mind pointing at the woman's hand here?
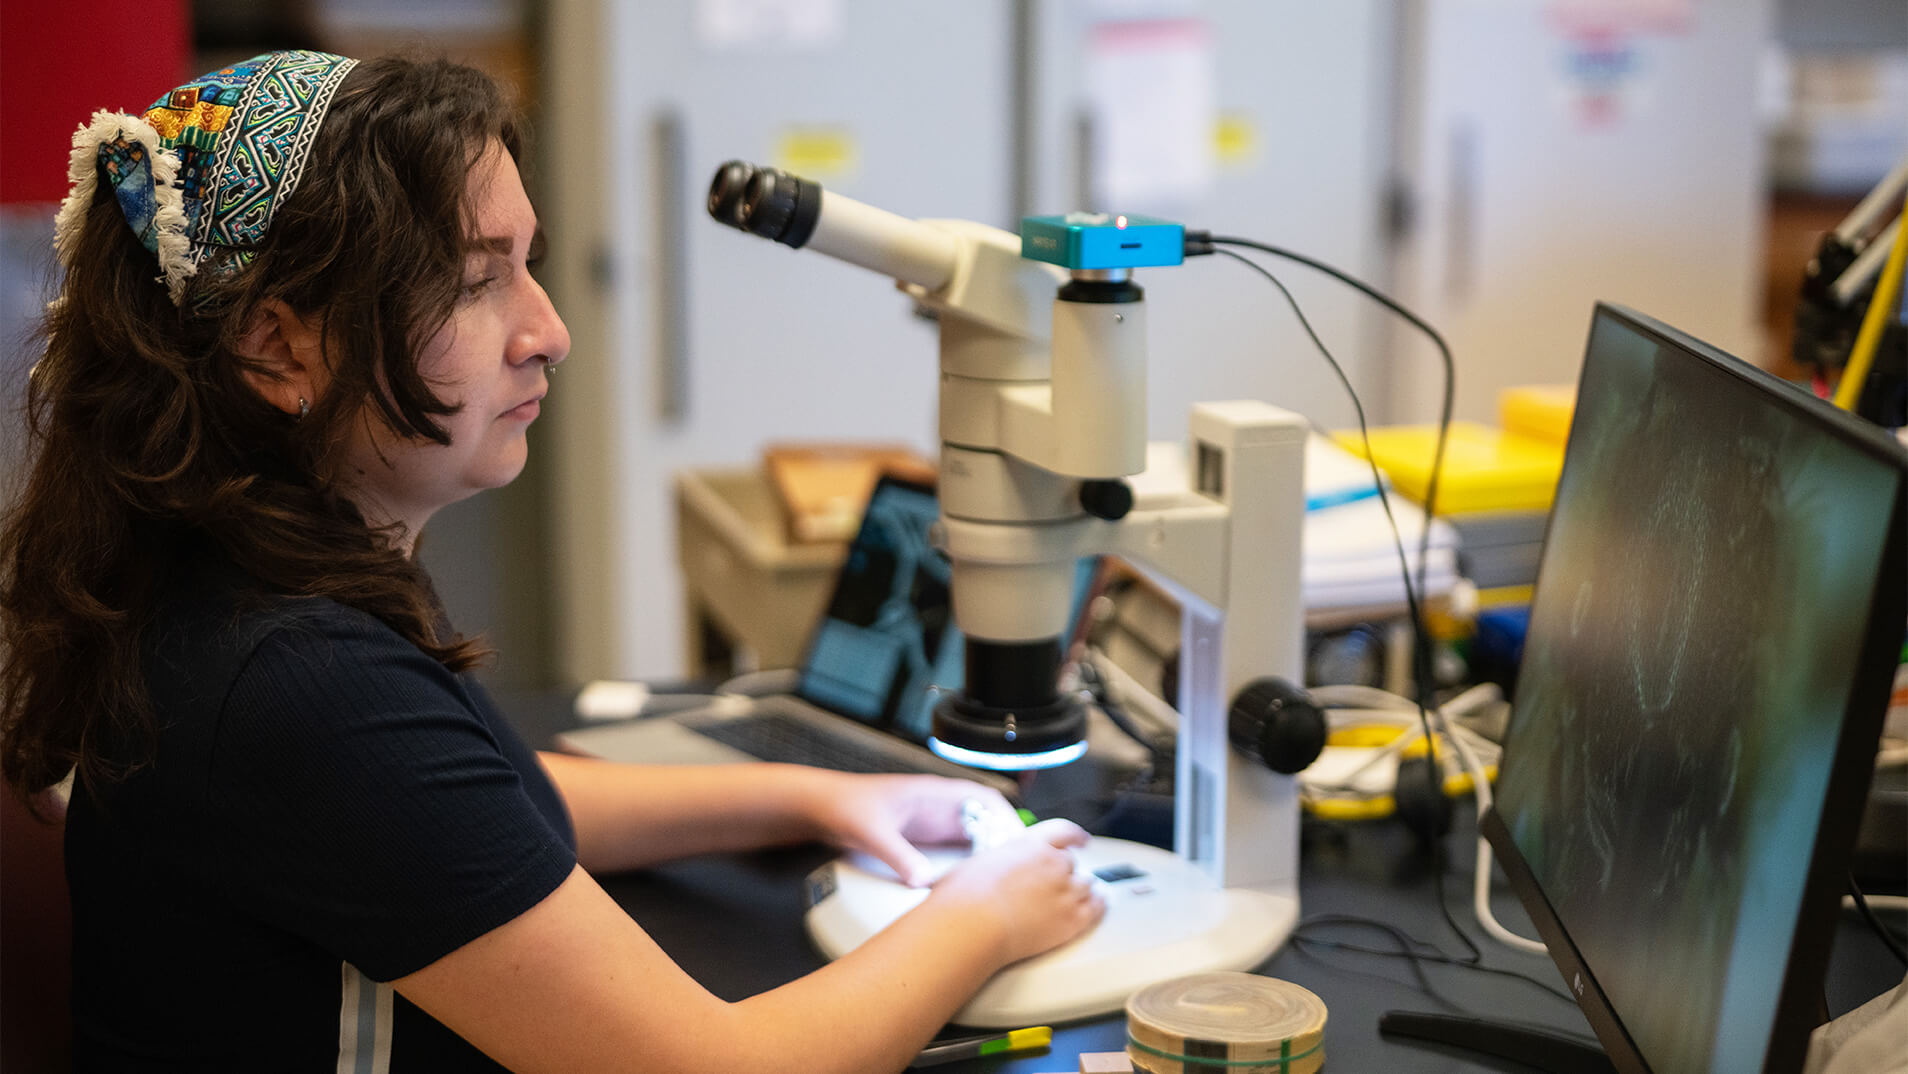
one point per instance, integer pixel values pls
(1026, 891)
(886, 817)
(1023, 892)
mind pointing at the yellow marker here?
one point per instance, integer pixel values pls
(1020, 1040)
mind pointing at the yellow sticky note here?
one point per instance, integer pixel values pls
(816, 152)
(1235, 138)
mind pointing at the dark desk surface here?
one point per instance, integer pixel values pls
(734, 923)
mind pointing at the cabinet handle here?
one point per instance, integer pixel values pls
(1460, 237)
(671, 263)
(1084, 136)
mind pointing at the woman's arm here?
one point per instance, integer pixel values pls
(574, 985)
(629, 816)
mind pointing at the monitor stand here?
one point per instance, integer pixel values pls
(1535, 1046)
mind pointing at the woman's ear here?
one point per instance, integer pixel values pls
(284, 357)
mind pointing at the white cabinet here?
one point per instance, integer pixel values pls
(1566, 152)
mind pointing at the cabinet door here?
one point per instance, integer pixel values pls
(1567, 152)
(714, 343)
(1292, 103)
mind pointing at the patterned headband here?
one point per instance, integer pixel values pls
(199, 177)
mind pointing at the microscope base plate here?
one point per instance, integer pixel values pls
(1165, 918)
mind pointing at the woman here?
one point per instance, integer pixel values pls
(297, 320)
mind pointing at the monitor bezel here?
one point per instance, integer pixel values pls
(1799, 1001)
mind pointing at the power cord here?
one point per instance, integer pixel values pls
(1416, 951)
(1106, 697)
(1477, 699)
(1421, 646)
(1481, 880)
(1887, 937)
(1204, 242)
(1199, 243)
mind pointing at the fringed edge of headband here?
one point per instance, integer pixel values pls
(169, 222)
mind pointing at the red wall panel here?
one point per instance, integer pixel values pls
(60, 61)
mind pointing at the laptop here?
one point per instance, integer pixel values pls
(876, 664)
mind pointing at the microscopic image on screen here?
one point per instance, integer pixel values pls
(1705, 582)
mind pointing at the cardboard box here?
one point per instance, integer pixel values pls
(742, 578)
(823, 488)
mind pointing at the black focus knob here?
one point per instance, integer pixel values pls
(1277, 722)
(1110, 500)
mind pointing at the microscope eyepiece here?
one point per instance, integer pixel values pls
(788, 209)
(765, 202)
(725, 192)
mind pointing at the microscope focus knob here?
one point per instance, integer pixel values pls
(1110, 500)
(1278, 723)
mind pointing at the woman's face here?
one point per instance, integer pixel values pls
(490, 359)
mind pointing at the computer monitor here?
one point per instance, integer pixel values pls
(1716, 624)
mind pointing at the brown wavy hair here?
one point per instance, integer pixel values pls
(147, 442)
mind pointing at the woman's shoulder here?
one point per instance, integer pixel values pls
(215, 623)
(210, 600)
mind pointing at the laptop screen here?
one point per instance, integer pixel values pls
(887, 645)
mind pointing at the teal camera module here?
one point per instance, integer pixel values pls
(1086, 241)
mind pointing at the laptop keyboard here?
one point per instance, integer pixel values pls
(778, 737)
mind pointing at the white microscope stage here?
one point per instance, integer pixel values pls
(1165, 918)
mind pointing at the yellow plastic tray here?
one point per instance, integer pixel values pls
(1485, 469)
(1539, 411)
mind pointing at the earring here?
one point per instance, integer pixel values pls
(304, 408)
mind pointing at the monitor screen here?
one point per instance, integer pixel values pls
(1715, 626)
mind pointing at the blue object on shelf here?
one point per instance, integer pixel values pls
(1497, 647)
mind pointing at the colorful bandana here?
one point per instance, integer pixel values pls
(199, 177)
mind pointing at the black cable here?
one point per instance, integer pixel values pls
(1106, 698)
(1198, 242)
(1300, 942)
(1424, 953)
(1868, 914)
(1413, 606)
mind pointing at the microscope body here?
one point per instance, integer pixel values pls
(1043, 386)
(1030, 406)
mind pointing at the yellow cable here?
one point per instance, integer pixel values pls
(1880, 308)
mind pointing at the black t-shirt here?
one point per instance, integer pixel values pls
(328, 809)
